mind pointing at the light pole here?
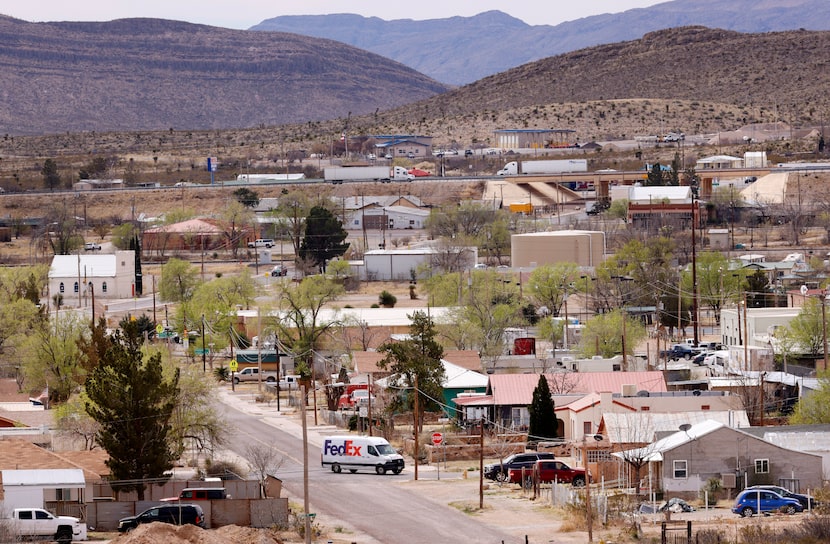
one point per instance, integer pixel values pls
(624, 314)
(588, 512)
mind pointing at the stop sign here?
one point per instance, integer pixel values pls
(437, 439)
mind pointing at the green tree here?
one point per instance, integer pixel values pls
(814, 409)
(52, 358)
(716, 282)
(123, 235)
(806, 329)
(419, 355)
(299, 325)
(655, 175)
(246, 197)
(135, 245)
(133, 403)
(550, 284)
(602, 335)
(51, 176)
(619, 210)
(324, 238)
(179, 280)
(543, 424)
(292, 211)
(238, 220)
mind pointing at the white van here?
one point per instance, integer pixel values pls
(360, 452)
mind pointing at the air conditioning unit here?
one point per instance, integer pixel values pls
(629, 390)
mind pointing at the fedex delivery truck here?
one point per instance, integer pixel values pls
(360, 452)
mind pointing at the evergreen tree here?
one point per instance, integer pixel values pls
(419, 355)
(543, 424)
(135, 245)
(133, 402)
(324, 237)
(51, 176)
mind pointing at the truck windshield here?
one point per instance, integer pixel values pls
(385, 449)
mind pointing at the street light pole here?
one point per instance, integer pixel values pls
(588, 506)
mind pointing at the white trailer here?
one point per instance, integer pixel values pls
(516, 168)
(339, 174)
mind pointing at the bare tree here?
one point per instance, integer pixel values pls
(264, 461)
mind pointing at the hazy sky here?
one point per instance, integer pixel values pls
(246, 13)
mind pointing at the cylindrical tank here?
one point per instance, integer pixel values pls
(524, 346)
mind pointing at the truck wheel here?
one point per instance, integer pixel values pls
(64, 535)
(579, 482)
(235, 380)
(501, 476)
(270, 379)
(380, 469)
(336, 468)
(529, 482)
(396, 470)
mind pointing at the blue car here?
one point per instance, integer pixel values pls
(752, 501)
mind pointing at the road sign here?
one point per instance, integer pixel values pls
(200, 351)
(234, 366)
(437, 439)
(159, 328)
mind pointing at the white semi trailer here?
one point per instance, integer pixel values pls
(516, 168)
(339, 174)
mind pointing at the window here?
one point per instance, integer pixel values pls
(357, 221)
(104, 287)
(25, 514)
(76, 286)
(598, 456)
(680, 469)
(705, 407)
(40, 514)
(762, 466)
(63, 494)
(645, 408)
(62, 288)
(586, 427)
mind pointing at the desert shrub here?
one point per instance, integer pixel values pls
(712, 487)
(387, 299)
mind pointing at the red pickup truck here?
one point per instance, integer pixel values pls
(549, 471)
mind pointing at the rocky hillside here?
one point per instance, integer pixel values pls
(460, 50)
(150, 74)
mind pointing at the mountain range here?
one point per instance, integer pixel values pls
(149, 74)
(460, 50)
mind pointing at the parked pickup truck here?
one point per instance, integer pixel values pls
(549, 471)
(30, 523)
(251, 374)
(679, 351)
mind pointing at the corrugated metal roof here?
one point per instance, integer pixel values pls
(632, 427)
(54, 477)
(91, 266)
(517, 389)
(457, 377)
(191, 226)
(800, 441)
(654, 451)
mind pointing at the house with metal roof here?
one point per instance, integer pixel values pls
(508, 396)
(682, 462)
(78, 277)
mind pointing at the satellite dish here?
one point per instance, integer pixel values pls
(642, 393)
(696, 392)
(803, 290)
(685, 427)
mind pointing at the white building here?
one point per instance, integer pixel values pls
(77, 277)
(404, 264)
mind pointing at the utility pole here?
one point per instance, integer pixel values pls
(481, 465)
(305, 469)
(694, 273)
(415, 426)
(204, 364)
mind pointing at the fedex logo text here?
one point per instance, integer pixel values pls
(347, 448)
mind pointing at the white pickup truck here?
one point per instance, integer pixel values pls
(37, 522)
(251, 374)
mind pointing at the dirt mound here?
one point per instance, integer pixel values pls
(162, 533)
